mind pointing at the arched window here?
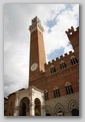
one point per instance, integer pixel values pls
(69, 89)
(46, 95)
(52, 69)
(62, 65)
(56, 92)
(74, 60)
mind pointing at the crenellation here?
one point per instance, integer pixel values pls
(71, 31)
(53, 60)
(49, 62)
(56, 62)
(65, 54)
(77, 29)
(73, 36)
(57, 58)
(36, 24)
(61, 56)
(70, 52)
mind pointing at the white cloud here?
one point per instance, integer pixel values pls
(17, 18)
(57, 37)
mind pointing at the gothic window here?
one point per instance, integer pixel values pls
(62, 65)
(56, 92)
(59, 110)
(46, 95)
(69, 89)
(52, 69)
(73, 108)
(48, 110)
(74, 60)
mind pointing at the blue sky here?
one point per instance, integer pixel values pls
(55, 18)
(55, 53)
(50, 24)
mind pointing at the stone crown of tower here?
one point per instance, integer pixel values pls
(36, 24)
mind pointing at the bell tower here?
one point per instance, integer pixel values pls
(37, 52)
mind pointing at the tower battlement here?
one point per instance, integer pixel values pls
(36, 24)
(71, 31)
(58, 58)
(73, 36)
(36, 20)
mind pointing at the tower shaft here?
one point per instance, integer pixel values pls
(37, 51)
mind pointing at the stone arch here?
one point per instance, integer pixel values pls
(72, 57)
(55, 87)
(73, 107)
(24, 107)
(62, 61)
(37, 107)
(52, 66)
(59, 110)
(48, 110)
(67, 84)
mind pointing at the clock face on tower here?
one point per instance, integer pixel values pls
(34, 67)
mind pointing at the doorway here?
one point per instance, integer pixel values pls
(75, 112)
(23, 109)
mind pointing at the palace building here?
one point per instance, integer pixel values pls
(54, 86)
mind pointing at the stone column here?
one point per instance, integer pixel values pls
(43, 110)
(32, 111)
(16, 110)
(16, 113)
(28, 111)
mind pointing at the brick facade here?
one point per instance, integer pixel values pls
(46, 80)
(11, 104)
(60, 76)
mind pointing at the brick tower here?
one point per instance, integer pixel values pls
(54, 86)
(73, 36)
(37, 52)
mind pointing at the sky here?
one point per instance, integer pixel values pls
(55, 18)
